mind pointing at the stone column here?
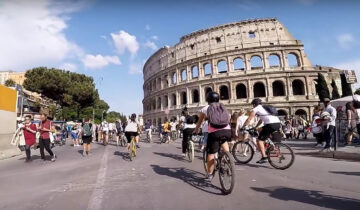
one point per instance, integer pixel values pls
(230, 64)
(214, 68)
(284, 62)
(269, 89)
(188, 73)
(247, 63)
(249, 90)
(265, 61)
(307, 86)
(187, 97)
(200, 71)
(201, 95)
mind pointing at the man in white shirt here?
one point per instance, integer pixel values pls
(329, 132)
(271, 124)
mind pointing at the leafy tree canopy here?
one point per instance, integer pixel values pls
(10, 83)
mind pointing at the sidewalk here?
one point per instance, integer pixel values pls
(306, 148)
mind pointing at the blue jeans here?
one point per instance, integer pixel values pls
(205, 134)
(328, 135)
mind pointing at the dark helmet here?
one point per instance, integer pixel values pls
(212, 97)
(133, 116)
(256, 101)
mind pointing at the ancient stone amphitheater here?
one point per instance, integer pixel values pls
(243, 60)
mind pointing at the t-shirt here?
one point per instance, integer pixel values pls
(205, 127)
(332, 111)
(173, 126)
(241, 120)
(131, 127)
(147, 125)
(30, 138)
(45, 134)
(265, 116)
(167, 127)
(211, 129)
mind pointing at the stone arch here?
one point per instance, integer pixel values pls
(274, 61)
(159, 103)
(207, 69)
(256, 62)
(207, 89)
(173, 99)
(259, 90)
(224, 92)
(165, 81)
(222, 66)
(278, 88)
(174, 78)
(302, 113)
(298, 87)
(194, 72)
(153, 104)
(241, 91)
(195, 96)
(293, 59)
(166, 101)
(183, 97)
(183, 75)
(282, 112)
(239, 64)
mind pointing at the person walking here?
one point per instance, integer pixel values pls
(86, 136)
(330, 128)
(352, 118)
(74, 135)
(317, 132)
(44, 141)
(29, 130)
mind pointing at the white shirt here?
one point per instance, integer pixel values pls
(131, 127)
(358, 114)
(241, 120)
(173, 126)
(265, 116)
(332, 112)
(205, 126)
(183, 119)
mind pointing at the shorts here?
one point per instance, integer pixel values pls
(267, 130)
(87, 139)
(74, 136)
(131, 134)
(216, 139)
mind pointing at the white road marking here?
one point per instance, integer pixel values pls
(98, 193)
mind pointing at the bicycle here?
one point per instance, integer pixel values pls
(122, 140)
(198, 139)
(164, 137)
(276, 152)
(148, 136)
(132, 152)
(225, 166)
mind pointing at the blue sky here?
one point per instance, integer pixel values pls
(110, 40)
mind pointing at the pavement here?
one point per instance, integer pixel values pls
(159, 178)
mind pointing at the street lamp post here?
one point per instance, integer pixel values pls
(102, 115)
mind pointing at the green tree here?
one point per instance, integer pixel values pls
(322, 88)
(346, 88)
(335, 92)
(10, 83)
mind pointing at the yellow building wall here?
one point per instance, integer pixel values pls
(18, 78)
(8, 99)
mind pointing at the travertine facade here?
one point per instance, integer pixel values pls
(241, 61)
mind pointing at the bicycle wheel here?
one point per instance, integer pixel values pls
(280, 156)
(226, 173)
(205, 160)
(191, 151)
(243, 152)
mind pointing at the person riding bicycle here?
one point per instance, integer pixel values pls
(271, 124)
(148, 129)
(166, 130)
(188, 129)
(219, 132)
(105, 131)
(132, 130)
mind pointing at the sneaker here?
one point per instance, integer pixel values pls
(183, 155)
(317, 145)
(209, 177)
(262, 160)
(53, 158)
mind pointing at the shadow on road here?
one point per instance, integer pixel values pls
(312, 197)
(189, 176)
(33, 157)
(124, 155)
(353, 173)
(169, 155)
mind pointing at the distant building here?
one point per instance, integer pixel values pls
(17, 77)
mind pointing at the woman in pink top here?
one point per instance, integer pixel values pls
(29, 130)
(44, 141)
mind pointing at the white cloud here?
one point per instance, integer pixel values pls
(125, 41)
(68, 66)
(103, 37)
(33, 33)
(147, 27)
(98, 61)
(346, 41)
(155, 37)
(151, 45)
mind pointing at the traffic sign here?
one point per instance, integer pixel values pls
(350, 76)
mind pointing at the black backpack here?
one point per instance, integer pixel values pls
(271, 110)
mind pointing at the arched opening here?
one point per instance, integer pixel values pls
(282, 112)
(293, 60)
(298, 87)
(195, 97)
(222, 66)
(153, 105)
(154, 85)
(173, 99)
(166, 102)
(159, 103)
(274, 61)
(195, 72)
(183, 75)
(278, 88)
(241, 91)
(302, 113)
(239, 64)
(207, 90)
(256, 62)
(174, 79)
(224, 92)
(207, 69)
(165, 82)
(259, 90)
(183, 98)
(159, 121)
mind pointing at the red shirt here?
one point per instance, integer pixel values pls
(30, 138)
(45, 134)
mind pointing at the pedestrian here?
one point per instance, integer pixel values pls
(239, 124)
(352, 118)
(29, 130)
(330, 127)
(317, 128)
(188, 129)
(45, 131)
(74, 135)
(86, 136)
(287, 130)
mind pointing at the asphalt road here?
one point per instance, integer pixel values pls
(160, 178)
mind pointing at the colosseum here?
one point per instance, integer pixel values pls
(249, 59)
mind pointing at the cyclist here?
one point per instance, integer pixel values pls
(148, 129)
(118, 129)
(218, 135)
(105, 131)
(166, 130)
(173, 125)
(132, 129)
(188, 125)
(271, 124)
